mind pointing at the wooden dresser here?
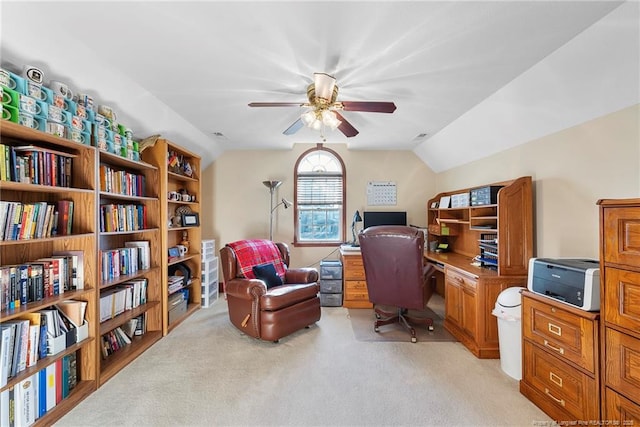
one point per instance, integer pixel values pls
(355, 284)
(561, 371)
(620, 308)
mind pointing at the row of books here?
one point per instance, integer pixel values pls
(35, 165)
(25, 221)
(32, 336)
(121, 182)
(120, 337)
(31, 398)
(39, 279)
(136, 255)
(126, 296)
(117, 217)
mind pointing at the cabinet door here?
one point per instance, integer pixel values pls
(620, 410)
(622, 298)
(469, 311)
(622, 235)
(622, 363)
(452, 301)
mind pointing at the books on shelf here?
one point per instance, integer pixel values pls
(119, 217)
(30, 399)
(25, 221)
(121, 182)
(144, 252)
(36, 165)
(123, 297)
(74, 310)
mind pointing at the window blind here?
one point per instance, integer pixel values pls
(319, 190)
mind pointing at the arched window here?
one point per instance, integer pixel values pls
(319, 198)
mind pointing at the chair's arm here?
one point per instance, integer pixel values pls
(245, 288)
(301, 275)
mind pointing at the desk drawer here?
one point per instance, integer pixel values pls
(356, 290)
(620, 410)
(460, 278)
(353, 268)
(568, 336)
(560, 384)
(622, 363)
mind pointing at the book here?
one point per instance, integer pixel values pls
(65, 217)
(7, 334)
(144, 252)
(77, 267)
(51, 386)
(25, 408)
(74, 310)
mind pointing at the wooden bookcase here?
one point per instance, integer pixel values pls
(82, 238)
(116, 178)
(503, 229)
(172, 160)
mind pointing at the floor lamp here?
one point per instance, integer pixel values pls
(272, 185)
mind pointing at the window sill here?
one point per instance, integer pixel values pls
(316, 244)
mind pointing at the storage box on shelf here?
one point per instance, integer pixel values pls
(179, 191)
(25, 249)
(620, 308)
(131, 295)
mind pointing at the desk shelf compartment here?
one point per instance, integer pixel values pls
(488, 244)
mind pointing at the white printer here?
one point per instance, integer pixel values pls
(569, 280)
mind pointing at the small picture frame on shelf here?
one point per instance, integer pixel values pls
(444, 202)
(190, 219)
(434, 205)
(174, 252)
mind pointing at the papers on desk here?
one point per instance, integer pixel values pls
(347, 248)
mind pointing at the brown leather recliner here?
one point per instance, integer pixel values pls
(398, 280)
(270, 314)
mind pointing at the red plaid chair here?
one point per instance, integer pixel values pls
(281, 301)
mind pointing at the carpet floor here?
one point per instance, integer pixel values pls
(208, 373)
(362, 322)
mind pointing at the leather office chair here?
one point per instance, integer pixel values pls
(262, 312)
(397, 278)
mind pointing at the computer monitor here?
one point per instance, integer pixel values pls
(372, 218)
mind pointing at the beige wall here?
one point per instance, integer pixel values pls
(571, 170)
(236, 203)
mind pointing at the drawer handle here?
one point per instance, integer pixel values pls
(555, 379)
(552, 347)
(548, 393)
(555, 329)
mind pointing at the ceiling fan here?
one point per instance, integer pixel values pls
(323, 108)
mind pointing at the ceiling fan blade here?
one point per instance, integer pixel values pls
(345, 127)
(276, 104)
(295, 127)
(369, 106)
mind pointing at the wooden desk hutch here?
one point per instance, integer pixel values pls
(489, 247)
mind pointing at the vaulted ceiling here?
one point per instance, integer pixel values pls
(468, 78)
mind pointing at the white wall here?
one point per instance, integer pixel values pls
(236, 203)
(571, 170)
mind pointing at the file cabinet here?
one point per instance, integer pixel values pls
(620, 308)
(561, 371)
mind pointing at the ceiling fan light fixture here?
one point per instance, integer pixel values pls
(308, 117)
(316, 125)
(330, 120)
(324, 84)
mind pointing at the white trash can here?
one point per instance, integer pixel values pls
(508, 310)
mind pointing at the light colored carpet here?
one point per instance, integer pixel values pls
(362, 322)
(206, 373)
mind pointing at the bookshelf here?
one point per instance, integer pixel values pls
(128, 212)
(82, 192)
(179, 172)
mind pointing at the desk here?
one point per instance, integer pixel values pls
(470, 294)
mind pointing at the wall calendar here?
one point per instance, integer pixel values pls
(381, 193)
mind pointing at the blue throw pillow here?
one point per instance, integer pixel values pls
(267, 273)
